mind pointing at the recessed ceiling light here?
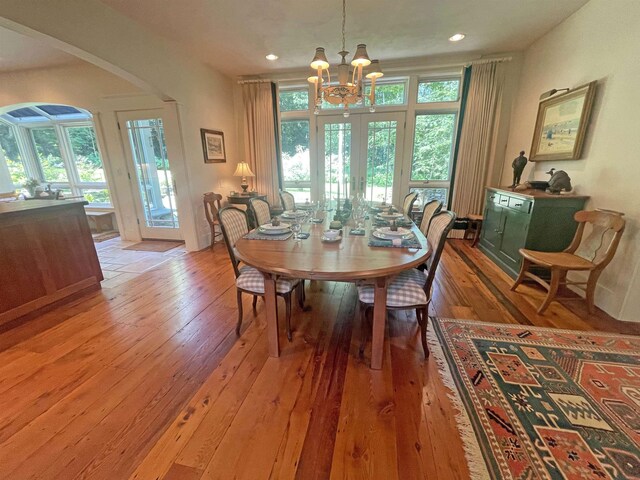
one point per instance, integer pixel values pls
(457, 37)
(272, 57)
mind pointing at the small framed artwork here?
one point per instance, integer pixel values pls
(213, 146)
(562, 124)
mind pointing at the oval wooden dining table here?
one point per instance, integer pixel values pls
(348, 260)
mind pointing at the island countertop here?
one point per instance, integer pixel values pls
(46, 255)
(22, 206)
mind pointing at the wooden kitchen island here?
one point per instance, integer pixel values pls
(46, 255)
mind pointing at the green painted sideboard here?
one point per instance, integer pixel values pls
(529, 219)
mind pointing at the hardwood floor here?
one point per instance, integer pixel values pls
(147, 380)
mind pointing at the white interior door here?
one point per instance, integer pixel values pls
(150, 174)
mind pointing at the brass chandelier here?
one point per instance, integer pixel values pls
(349, 89)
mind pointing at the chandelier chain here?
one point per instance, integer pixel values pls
(344, 17)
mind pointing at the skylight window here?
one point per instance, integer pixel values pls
(45, 113)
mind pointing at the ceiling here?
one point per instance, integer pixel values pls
(235, 36)
(18, 52)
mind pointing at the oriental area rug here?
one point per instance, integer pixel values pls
(538, 403)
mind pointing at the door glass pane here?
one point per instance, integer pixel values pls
(152, 172)
(12, 157)
(47, 149)
(433, 146)
(381, 155)
(438, 91)
(337, 160)
(85, 154)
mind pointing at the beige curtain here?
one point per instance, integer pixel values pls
(260, 138)
(477, 138)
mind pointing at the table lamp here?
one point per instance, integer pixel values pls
(243, 170)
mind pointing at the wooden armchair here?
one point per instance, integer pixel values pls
(211, 209)
(592, 254)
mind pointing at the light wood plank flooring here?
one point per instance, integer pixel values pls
(147, 380)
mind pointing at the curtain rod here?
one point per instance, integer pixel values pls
(242, 82)
(489, 60)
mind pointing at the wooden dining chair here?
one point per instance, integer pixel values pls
(591, 254)
(211, 209)
(411, 289)
(233, 222)
(261, 211)
(429, 210)
(407, 204)
(288, 200)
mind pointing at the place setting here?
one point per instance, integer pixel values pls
(393, 236)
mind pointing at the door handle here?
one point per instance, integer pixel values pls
(175, 189)
(362, 184)
(353, 183)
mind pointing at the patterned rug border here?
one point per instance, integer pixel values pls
(472, 451)
(472, 437)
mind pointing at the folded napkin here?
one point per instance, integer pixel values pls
(384, 223)
(303, 235)
(403, 243)
(256, 235)
(357, 231)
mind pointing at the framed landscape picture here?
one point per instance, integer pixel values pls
(213, 146)
(561, 125)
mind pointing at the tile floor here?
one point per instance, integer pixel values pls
(119, 265)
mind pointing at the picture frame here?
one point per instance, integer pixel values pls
(561, 125)
(213, 146)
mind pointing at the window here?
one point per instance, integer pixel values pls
(425, 195)
(438, 90)
(47, 147)
(294, 100)
(387, 93)
(86, 158)
(296, 164)
(433, 146)
(12, 157)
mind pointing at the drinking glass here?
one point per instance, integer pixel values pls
(295, 228)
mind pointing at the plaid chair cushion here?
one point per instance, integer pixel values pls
(261, 210)
(252, 280)
(406, 289)
(234, 223)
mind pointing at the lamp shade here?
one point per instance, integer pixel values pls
(361, 58)
(374, 70)
(243, 170)
(320, 60)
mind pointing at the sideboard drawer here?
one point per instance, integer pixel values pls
(503, 200)
(520, 204)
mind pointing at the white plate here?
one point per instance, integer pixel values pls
(331, 240)
(269, 229)
(388, 233)
(292, 214)
(390, 216)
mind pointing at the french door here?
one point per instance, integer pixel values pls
(150, 174)
(360, 154)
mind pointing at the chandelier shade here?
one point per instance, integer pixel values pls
(349, 87)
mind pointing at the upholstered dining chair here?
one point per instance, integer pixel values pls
(233, 222)
(288, 201)
(591, 254)
(429, 210)
(261, 210)
(211, 208)
(411, 289)
(407, 204)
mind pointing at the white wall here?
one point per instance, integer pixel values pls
(98, 34)
(601, 41)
